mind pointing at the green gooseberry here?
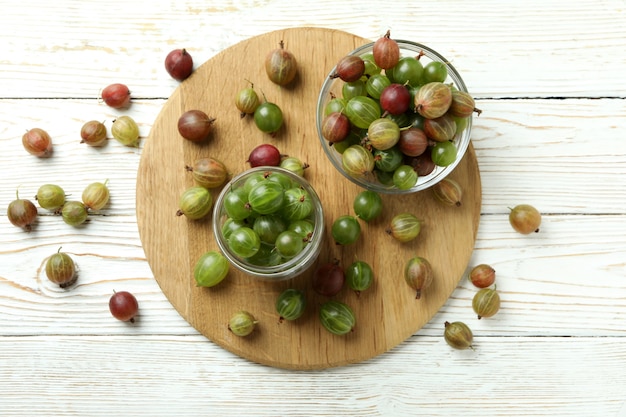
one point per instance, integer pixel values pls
(210, 269)
(291, 304)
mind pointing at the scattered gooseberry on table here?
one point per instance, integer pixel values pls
(458, 335)
(281, 65)
(195, 125)
(486, 302)
(93, 133)
(22, 212)
(359, 276)
(328, 279)
(210, 269)
(116, 95)
(367, 205)
(242, 323)
(124, 306)
(418, 274)
(195, 203)
(126, 131)
(61, 269)
(37, 142)
(268, 117)
(96, 195)
(448, 192)
(404, 227)
(50, 197)
(208, 172)
(525, 219)
(179, 64)
(247, 101)
(346, 230)
(482, 275)
(337, 317)
(74, 213)
(291, 304)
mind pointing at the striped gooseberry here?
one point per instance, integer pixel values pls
(37, 142)
(281, 65)
(61, 269)
(208, 172)
(291, 304)
(418, 274)
(242, 323)
(458, 335)
(359, 276)
(74, 213)
(210, 269)
(96, 195)
(195, 203)
(337, 317)
(486, 302)
(93, 133)
(50, 197)
(357, 161)
(404, 227)
(362, 111)
(126, 131)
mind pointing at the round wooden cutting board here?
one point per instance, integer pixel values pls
(388, 312)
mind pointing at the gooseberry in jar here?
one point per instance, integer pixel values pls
(383, 133)
(386, 51)
(433, 100)
(357, 161)
(395, 99)
(349, 68)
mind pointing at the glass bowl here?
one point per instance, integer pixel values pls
(267, 264)
(332, 87)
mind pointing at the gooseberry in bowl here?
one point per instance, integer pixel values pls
(257, 219)
(435, 93)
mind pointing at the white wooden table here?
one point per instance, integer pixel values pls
(550, 77)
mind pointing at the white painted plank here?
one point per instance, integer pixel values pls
(525, 49)
(185, 376)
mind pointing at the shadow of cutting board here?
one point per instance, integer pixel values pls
(388, 312)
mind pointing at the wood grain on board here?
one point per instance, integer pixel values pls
(387, 313)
